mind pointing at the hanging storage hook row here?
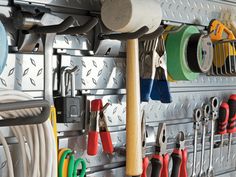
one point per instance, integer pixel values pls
(140, 33)
(42, 117)
(64, 27)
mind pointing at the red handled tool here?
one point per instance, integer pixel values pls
(145, 159)
(180, 158)
(160, 161)
(231, 128)
(222, 123)
(98, 125)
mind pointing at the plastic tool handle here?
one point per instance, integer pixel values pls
(183, 168)
(145, 166)
(232, 114)
(160, 89)
(92, 143)
(217, 30)
(157, 165)
(223, 118)
(177, 158)
(106, 142)
(146, 88)
(165, 166)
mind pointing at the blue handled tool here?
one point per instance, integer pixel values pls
(153, 72)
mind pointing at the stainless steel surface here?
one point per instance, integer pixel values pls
(205, 118)
(214, 107)
(103, 76)
(197, 117)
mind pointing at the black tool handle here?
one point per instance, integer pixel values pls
(176, 158)
(223, 118)
(156, 165)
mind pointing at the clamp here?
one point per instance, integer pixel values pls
(180, 157)
(154, 83)
(160, 161)
(98, 125)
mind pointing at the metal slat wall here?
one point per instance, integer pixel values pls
(104, 77)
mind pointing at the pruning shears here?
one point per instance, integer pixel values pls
(73, 165)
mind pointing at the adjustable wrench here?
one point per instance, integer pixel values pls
(214, 115)
(205, 118)
(197, 117)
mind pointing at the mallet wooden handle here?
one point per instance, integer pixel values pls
(133, 120)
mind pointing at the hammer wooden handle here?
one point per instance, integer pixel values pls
(133, 120)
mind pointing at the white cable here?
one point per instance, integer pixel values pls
(42, 149)
(8, 155)
(42, 136)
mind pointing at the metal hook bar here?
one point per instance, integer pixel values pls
(81, 29)
(25, 105)
(125, 36)
(63, 26)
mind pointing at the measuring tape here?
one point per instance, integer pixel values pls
(3, 47)
(200, 53)
(176, 47)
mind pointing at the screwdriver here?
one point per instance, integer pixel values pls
(232, 120)
(222, 123)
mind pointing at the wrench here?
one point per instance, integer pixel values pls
(214, 106)
(205, 118)
(197, 117)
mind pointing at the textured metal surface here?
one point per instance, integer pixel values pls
(23, 72)
(103, 77)
(182, 11)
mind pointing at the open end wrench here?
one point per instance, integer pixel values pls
(214, 107)
(205, 118)
(197, 117)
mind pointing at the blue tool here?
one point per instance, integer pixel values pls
(153, 72)
(3, 47)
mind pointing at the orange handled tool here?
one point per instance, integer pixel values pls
(219, 31)
(97, 126)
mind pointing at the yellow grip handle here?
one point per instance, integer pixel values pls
(218, 31)
(133, 120)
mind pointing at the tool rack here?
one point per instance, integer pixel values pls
(103, 77)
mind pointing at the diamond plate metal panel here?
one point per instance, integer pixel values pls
(23, 72)
(97, 72)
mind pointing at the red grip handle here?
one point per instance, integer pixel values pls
(106, 142)
(183, 168)
(92, 148)
(165, 167)
(223, 118)
(145, 166)
(232, 114)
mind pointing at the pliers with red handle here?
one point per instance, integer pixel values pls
(144, 136)
(97, 126)
(160, 160)
(180, 157)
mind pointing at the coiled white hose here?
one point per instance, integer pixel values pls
(8, 155)
(39, 154)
